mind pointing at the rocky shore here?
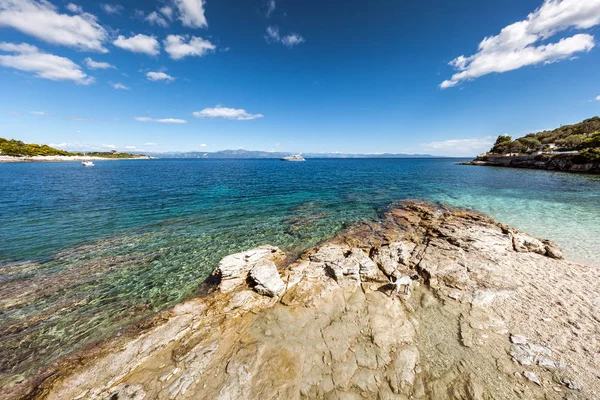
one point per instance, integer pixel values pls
(11, 159)
(428, 303)
(553, 162)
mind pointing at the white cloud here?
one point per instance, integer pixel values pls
(459, 147)
(81, 119)
(97, 64)
(131, 147)
(162, 121)
(159, 76)
(48, 66)
(191, 13)
(270, 8)
(167, 12)
(177, 48)
(227, 113)
(172, 121)
(119, 86)
(74, 8)
(156, 19)
(109, 146)
(518, 45)
(139, 44)
(150, 144)
(41, 19)
(112, 8)
(598, 98)
(37, 112)
(203, 145)
(290, 40)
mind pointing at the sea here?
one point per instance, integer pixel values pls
(86, 252)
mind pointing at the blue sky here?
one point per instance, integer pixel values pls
(298, 76)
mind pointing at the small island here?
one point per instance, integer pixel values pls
(570, 148)
(12, 150)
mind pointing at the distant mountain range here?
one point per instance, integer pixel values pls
(269, 154)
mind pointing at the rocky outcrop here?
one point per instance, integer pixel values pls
(429, 303)
(552, 162)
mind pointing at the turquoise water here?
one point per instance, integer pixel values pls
(87, 251)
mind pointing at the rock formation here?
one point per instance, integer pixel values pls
(552, 162)
(428, 303)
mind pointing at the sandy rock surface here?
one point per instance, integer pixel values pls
(429, 303)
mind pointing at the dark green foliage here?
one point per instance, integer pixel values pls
(587, 156)
(584, 135)
(18, 148)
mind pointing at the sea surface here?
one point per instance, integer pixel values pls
(84, 252)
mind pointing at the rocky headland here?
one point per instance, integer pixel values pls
(552, 162)
(428, 303)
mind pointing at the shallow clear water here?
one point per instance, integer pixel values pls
(86, 251)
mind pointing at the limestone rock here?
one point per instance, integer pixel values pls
(234, 268)
(268, 282)
(524, 243)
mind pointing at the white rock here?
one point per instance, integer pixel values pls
(526, 244)
(267, 279)
(518, 339)
(234, 268)
(532, 377)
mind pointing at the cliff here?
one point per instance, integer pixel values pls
(553, 162)
(428, 303)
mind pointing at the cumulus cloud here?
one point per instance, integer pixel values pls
(139, 44)
(119, 86)
(460, 147)
(97, 64)
(42, 20)
(177, 47)
(161, 120)
(290, 40)
(598, 98)
(159, 76)
(227, 113)
(112, 8)
(156, 19)
(518, 45)
(191, 13)
(28, 58)
(270, 7)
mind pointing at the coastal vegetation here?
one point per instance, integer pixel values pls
(17, 148)
(583, 138)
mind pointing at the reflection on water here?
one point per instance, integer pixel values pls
(85, 252)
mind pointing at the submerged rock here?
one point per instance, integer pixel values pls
(329, 325)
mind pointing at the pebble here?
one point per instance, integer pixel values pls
(532, 377)
(517, 339)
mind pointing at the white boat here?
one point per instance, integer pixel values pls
(87, 163)
(295, 157)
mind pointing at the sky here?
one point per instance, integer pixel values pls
(436, 77)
